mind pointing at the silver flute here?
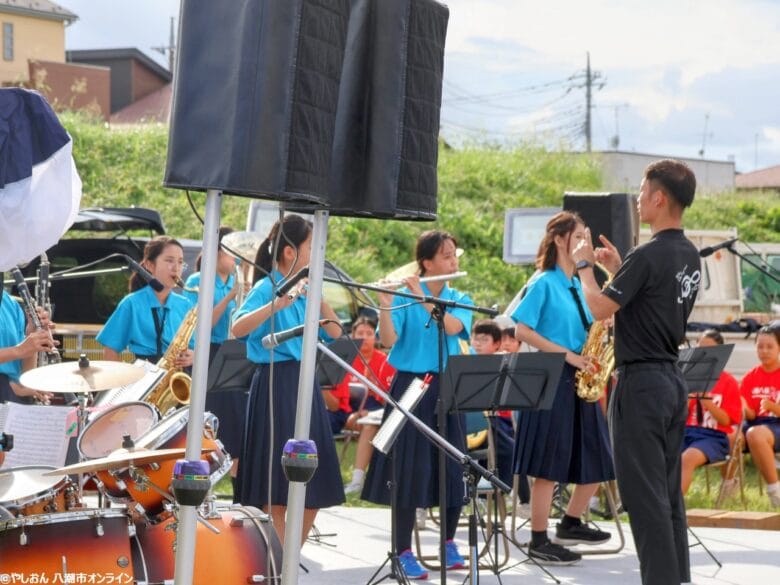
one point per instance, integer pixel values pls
(439, 278)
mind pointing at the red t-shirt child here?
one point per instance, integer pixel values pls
(725, 394)
(381, 374)
(759, 384)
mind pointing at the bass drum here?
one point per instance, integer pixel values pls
(93, 543)
(246, 550)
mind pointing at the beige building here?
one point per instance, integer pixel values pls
(32, 30)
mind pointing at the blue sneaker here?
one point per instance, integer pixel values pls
(411, 567)
(454, 559)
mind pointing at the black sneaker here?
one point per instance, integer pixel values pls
(581, 534)
(553, 554)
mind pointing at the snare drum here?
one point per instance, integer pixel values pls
(171, 433)
(25, 491)
(93, 543)
(238, 553)
(104, 434)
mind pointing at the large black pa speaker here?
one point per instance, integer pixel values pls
(612, 214)
(330, 104)
(255, 94)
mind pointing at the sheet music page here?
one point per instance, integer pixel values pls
(39, 434)
(395, 420)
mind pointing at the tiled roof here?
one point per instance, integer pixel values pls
(40, 8)
(768, 178)
(155, 107)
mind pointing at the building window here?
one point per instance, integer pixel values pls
(8, 41)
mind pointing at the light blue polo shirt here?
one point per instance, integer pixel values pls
(12, 326)
(219, 333)
(416, 349)
(131, 325)
(287, 318)
(549, 308)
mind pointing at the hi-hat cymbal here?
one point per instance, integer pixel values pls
(71, 377)
(121, 458)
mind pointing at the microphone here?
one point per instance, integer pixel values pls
(710, 250)
(144, 273)
(291, 282)
(275, 339)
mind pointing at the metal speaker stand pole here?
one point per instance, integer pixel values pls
(296, 494)
(185, 549)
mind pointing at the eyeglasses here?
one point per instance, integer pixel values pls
(176, 262)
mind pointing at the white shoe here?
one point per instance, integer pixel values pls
(774, 498)
(421, 514)
(353, 487)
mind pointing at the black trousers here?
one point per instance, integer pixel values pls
(647, 415)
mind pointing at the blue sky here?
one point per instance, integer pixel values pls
(679, 75)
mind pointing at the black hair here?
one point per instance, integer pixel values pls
(675, 178)
(363, 320)
(152, 251)
(487, 327)
(223, 231)
(294, 232)
(713, 334)
(428, 244)
(508, 332)
(770, 330)
(561, 224)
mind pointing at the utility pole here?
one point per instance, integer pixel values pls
(704, 135)
(170, 50)
(588, 98)
(591, 77)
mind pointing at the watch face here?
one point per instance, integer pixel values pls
(583, 264)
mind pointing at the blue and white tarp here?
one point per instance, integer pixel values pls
(40, 189)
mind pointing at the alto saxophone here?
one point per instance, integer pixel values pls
(173, 389)
(600, 347)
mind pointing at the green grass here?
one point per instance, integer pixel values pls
(697, 496)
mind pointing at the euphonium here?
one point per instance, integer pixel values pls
(600, 346)
(174, 388)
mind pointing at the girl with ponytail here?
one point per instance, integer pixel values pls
(273, 401)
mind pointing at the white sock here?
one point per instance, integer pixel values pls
(357, 475)
(773, 488)
(594, 502)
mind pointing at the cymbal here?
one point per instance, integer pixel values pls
(411, 269)
(120, 459)
(245, 243)
(70, 377)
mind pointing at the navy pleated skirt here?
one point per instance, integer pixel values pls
(568, 443)
(325, 488)
(417, 460)
(230, 408)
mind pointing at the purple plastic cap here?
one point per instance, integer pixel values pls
(190, 469)
(293, 448)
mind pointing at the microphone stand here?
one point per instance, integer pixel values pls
(471, 466)
(440, 306)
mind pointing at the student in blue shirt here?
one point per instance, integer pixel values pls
(568, 443)
(229, 407)
(146, 321)
(291, 240)
(403, 325)
(20, 344)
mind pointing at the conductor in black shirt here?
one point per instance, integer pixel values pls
(651, 295)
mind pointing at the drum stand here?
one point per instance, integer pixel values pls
(81, 422)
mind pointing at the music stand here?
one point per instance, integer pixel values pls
(512, 381)
(330, 373)
(701, 367)
(230, 370)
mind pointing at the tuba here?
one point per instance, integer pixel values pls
(173, 389)
(600, 346)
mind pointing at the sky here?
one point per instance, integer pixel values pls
(683, 78)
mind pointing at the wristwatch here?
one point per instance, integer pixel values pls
(582, 264)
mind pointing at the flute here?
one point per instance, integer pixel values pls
(439, 278)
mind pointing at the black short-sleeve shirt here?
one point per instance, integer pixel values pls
(655, 287)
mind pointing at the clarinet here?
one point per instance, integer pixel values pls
(43, 299)
(44, 358)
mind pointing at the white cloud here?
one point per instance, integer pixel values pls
(695, 37)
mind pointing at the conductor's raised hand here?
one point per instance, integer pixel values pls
(608, 255)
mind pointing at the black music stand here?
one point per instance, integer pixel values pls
(512, 381)
(230, 370)
(329, 373)
(701, 367)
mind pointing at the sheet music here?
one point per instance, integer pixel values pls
(39, 434)
(135, 391)
(387, 433)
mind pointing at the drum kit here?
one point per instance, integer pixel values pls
(128, 451)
